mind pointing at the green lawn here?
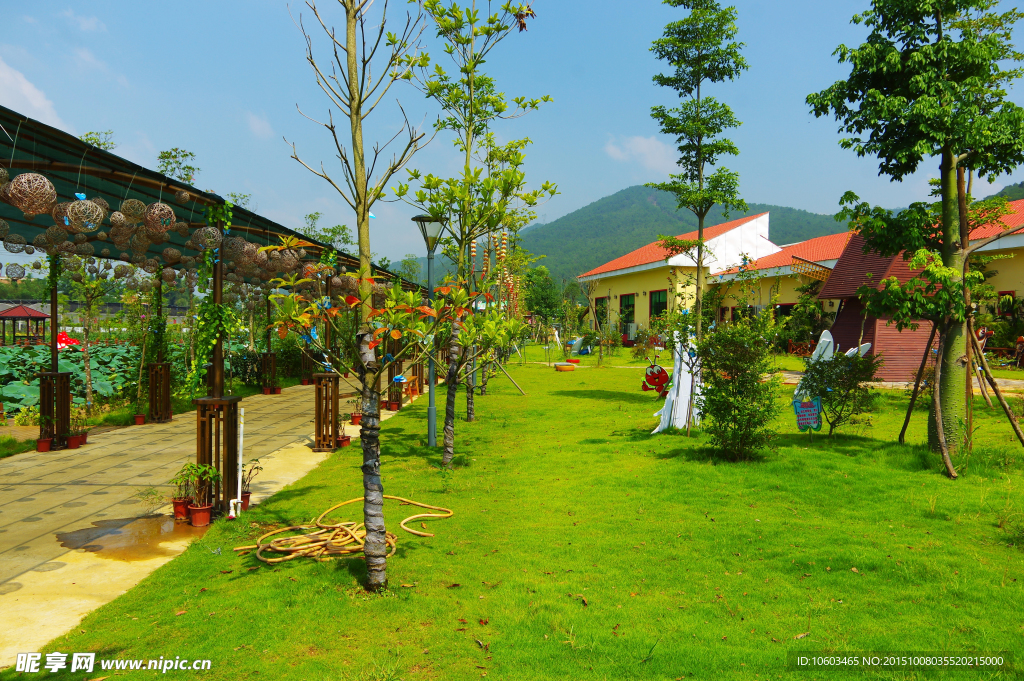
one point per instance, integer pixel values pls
(9, 446)
(582, 547)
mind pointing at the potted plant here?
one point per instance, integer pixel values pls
(182, 497)
(247, 476)
(344, 440)
(203, 477)
(277, 390)
(43, 444)
(357, 418)
(305, 381)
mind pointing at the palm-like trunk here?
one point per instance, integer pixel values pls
(470, 399)
(375, 548)
(451, 384)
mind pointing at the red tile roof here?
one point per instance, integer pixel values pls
(653, 252)
(23, 312)
(1013, 222)
(828, 247)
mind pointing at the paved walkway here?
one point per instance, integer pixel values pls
(74, 534)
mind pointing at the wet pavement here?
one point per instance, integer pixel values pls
(74, 532)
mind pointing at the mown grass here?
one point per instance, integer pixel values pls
(9, 446)
(583, 547)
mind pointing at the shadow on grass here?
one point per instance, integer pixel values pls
(607, 396)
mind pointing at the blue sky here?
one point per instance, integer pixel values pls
(222, 79)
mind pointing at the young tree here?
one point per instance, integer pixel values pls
(409, 268)
(842, 384)
(928, 83)
(176, 163)
(355, 79)
(489, 195)
(701, 49)
(102, 139)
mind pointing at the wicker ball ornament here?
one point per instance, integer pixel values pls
(5, 229)
(121, 271)
(105, 252)
(117, 219)
(169, 275)
(32, 194)
(40, 241)
(30, 250)
(15, 271)
(159, 217)
(207, 237)
(4, 176)
(139, 243)
(85, 249)
(85, 216)
(14, 243)
(101, 202)
(133, 210)
(182, 196)
(171, 255)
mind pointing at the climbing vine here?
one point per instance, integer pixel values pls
(213, 322)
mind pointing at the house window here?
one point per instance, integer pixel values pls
(627, 308)
(659, 302)
(784, 310)
(601, 309)
(1006, 301)
(723, 314)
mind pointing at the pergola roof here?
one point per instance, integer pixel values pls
(27, 145)
(23, 312)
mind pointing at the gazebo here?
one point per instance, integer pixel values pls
(34, 323)
(65, 197)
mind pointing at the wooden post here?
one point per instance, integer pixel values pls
(326, 411)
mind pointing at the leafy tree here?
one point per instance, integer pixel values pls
(928, 83)
(842, 384)
(489, 195)
(701, 49)
(102, 140)
(409, 268)
(176, 163)
(542, 297)
(355, 78)
(239, 199)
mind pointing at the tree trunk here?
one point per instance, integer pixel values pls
(375, 549)
(451, 384)
(86, 329)
(470, 400)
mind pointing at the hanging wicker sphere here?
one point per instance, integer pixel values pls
(15, 271)
(139, 243)
(102, 236)
(207, 237)
(169, 275)
(133, 210)
(14, 243)
(30, 250)
(156, 237)
(125, 257)
(159, 217)
(336, 282)
(92, 269)
(181, 228)
(40, 241)
(5, 229)
(121, 233)
(121, 271)
(5, 193)
(117, 219)
(289, 261)
(60, 213)
(182, 196)
(146, 286)
(85, 249)
(37, 265)
(150, 268)
(79, 238)
(32, 194)
(101, 202)
(171, 255)
(4, 176)
(85, 216)
(76, 276)
(105, 252)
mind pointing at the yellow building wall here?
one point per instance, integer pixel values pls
(640, 284)
(784, 287)
(1009, 273)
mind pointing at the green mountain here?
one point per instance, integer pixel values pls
(1015, 192)
(634, 217)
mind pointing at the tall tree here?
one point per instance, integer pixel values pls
(701, 49)
(491, 188)
(928, 84)
(355, 79)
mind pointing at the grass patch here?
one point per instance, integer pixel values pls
(9, 446)
(583, 547)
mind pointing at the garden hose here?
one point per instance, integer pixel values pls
(329, 541)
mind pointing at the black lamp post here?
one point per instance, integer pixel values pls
(431, 229)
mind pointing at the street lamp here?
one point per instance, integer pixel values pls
(430, 228)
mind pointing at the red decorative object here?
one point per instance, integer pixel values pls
(74, 441)
(180, 508)
(43, 444)
(573, 361)
(200, 515)
(657, 379)
(64, 341)
(357, 419)
(140, 419)
(245, 500)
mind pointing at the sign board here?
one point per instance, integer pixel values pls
(808, 414)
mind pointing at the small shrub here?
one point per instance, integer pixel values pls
(27, 416)
(840, 383)
(737, 406)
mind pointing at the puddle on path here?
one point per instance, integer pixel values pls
(130, 539)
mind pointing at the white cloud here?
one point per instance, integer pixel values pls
(87, 60)
(650, 152)
(17, 93)
(84, 23)
(259, 125)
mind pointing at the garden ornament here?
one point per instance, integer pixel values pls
(656, 378)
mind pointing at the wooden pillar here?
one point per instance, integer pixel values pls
(218, 299)
(328, 387)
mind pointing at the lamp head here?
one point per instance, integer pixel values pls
(430, 228)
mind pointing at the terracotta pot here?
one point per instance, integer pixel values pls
(200, 515)
(266, 391)
(346, 374)
(344, 440)
(181, 508)
(305, 381)
(394, 405)
(277, 391)
(245, 500)
(356, 419)
(74, 441)
(85, 437)
(43, 444)
(140, 419)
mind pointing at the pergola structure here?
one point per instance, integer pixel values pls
(34, 320)
(67, 198)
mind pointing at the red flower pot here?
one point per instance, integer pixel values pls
(344, 440)
(74, 441)
(346, 374)
(266, 391)
(245, 500)
(277, 391)
(305, 381)
(43, 444)
(140, 419)
(356, 419)
(85, 437)
(200, 515)
(394, 405)
(180, 508)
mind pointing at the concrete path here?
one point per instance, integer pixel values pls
(74, 534)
